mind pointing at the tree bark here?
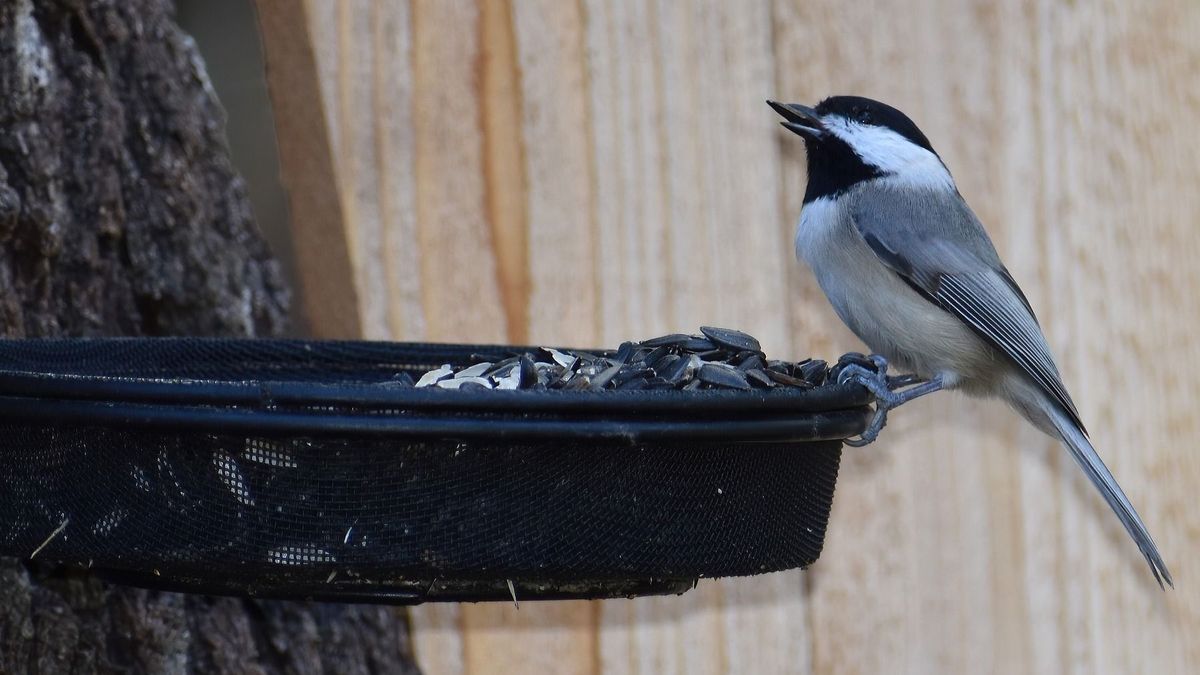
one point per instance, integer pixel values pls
(120, 214)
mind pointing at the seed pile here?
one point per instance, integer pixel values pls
(717, 358)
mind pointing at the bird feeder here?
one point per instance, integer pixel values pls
(319, 470)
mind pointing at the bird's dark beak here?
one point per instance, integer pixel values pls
(799, 119)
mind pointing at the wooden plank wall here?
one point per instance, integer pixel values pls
(593, 171)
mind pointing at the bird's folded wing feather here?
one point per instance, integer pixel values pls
(938, 247)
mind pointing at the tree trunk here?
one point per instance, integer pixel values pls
(120, 214)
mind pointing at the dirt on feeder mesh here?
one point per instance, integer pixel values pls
(717, 358)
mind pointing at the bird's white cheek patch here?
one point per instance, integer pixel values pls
(893, 154)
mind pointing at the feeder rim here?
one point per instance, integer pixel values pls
(798, 427)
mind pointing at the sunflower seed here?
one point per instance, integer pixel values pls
(785, 379)
(698, 344)
(672, 340)
(750, 362)
(624, 353)
(848, 359)
(733, 340)
(432, 377)
(607, 375)
(476, 370)
(681, 369)
(632, 383)
(562, 381)
(564, 360)
(637, 373)
(655, 358)
(759, 378)
(529, 373)
(813, 372)
(578, 382)
(509, 379)
(664, 364)
(587, 364)
(400, 380)
(501, 366)
(722, 376)
(460, 382)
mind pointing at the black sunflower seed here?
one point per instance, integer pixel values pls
(625, 352)
(813, 372)
(529, 375)
(655, 357)
(751, 362)
(733, 340)
(577, 383)
(606, 375)
(625, 376)
(679, 370)
(664, 364)
(698, 344)
(786, 380)
(673, 340)
(847, 359)
(722, 376)
(632, 384)
(500, 366)
(759, 378)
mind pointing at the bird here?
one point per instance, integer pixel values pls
(909, 268)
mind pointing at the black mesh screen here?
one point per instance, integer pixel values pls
(394, 516)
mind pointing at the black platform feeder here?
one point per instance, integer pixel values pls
(299, 470)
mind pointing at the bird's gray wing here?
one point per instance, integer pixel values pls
(938, 247)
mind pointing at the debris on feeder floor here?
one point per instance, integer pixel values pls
(435, 375)
(717, 358)
(57, 531)
(512, 590)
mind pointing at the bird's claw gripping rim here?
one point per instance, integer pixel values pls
(880, 385)
(884, 389)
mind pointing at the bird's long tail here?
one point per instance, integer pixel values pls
(1085, 455)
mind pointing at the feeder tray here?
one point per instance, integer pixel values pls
(296, 469)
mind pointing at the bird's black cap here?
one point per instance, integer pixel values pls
(869, 111)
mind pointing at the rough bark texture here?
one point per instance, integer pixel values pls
(121, 215)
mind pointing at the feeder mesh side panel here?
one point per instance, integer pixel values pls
(275, 511)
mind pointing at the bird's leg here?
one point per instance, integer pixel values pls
(883, 388)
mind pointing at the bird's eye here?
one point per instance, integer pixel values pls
(862, 115)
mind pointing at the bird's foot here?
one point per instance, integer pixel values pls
(897, 381)
(884, 389)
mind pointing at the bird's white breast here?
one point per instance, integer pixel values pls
(875, 303)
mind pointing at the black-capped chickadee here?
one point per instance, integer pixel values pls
(909, 268)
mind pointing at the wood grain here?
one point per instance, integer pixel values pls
(328, 297)
(594, 171)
